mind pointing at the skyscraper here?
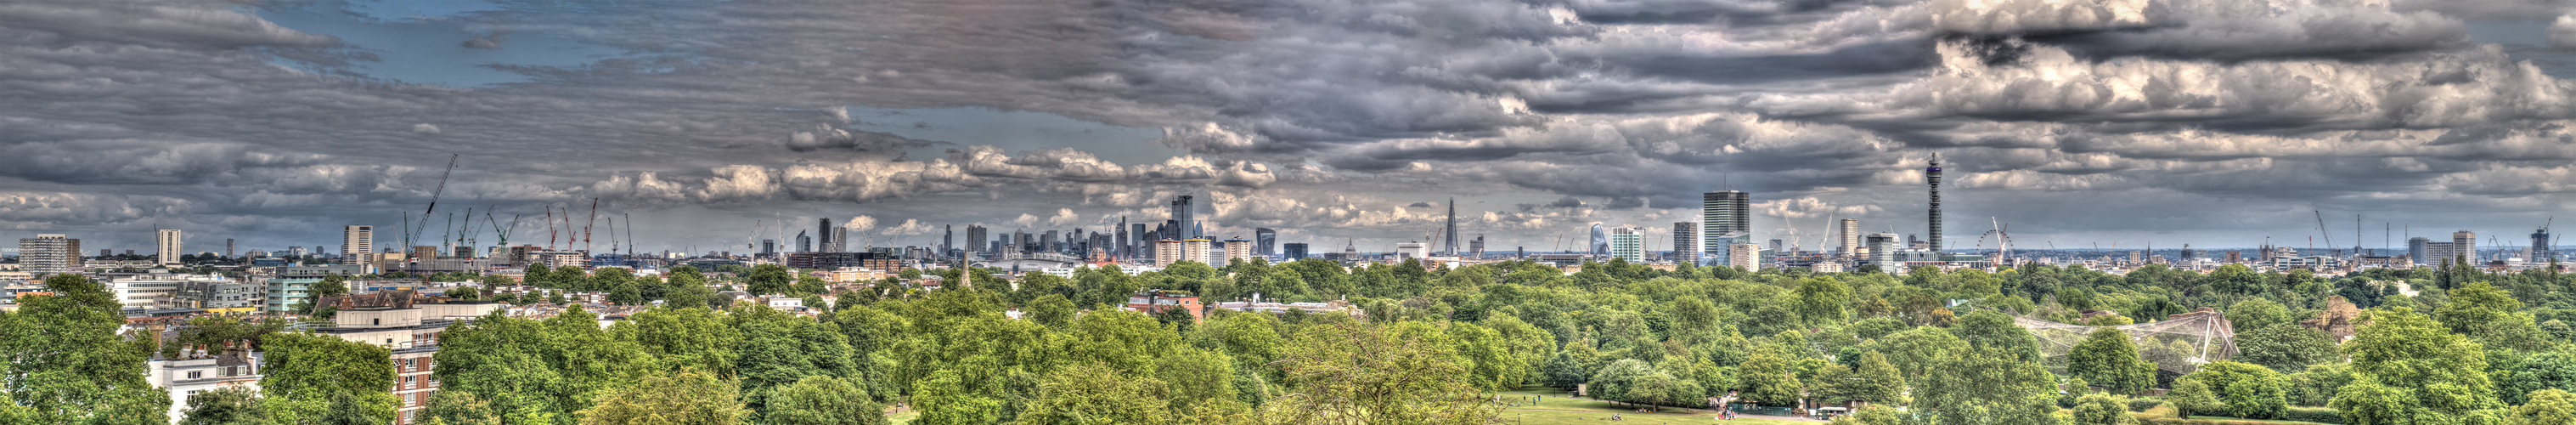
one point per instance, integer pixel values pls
(49, 253)
(947, 238)
(1294, 251)
(804, 242)
(1600, 241)
(2539, 247)
(1265, 242)
(2465, 245)
(358, 245)
(1185, 218)
(1476, 247)
(1849, 237)
(166, 250)
(976, 237)
(1451, 245)
(2420, 250)
(1882, 251)
(228, 248)
(1138, 247)
(823, 236)
(1725, 219)
(1932, 176)
(1685, 237)
(1122, 246)
(1628, 243)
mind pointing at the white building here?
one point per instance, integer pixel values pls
(197, 371)
(1628, 243)
(166, 250)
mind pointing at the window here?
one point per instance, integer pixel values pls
(378, 321)
(196, 374)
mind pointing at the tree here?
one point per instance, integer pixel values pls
(1658, 389)
(1821, 299)
(1200, 381)
(2191, 396)
(2534, 373)
(1914, 351)
(1091, 394)
(2550, 406)
(2247, 390)
(537, 371)
(2102, 409)
(769, 279)
(66, 364)
(1877, 381)
(2108, 358)
(2258, 313)
(1613, 380)
(1351, 372)
(688, 397)
(349, 409)
(690, 296)
(1988, 386)
(310, 376)
(684, 338)
(2407, 366)
(944, 400)
(452, 407)
(1990, 329)
(1767, 376)
(2286, 347)
(226, 406)
(823, 400)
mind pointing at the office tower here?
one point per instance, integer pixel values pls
(1237, 250)
(1265, 242)
(1185, 218)
(1628, 243)
(2419, 250)
(166, 250)
(358, 245)
(1452, 244)
(129, 252)
(1293, 251)
(947, 238)
(298, 252)
(1600, 241)
(49, 253)
(228, 248)
(769, 247)
(976, 237)
(1476, 248)
(1725, 219)
(2465, 245)
(1849, 237)
(2540, 247)
(1412, 250)
(824, 235)
(1138, 246)
(2234, 257)
(1882, 251)
(1118, 243)
(1745, 255)
(106, 253)
(1685, 236)
(1047, 242)
(1932, 176)
(804, 242)
(840, 240)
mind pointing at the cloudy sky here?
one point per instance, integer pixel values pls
(2077, 122)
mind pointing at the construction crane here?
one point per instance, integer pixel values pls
(752, 241)
(551, 233)
(585, 227)
(630, 233)
(503, 232)
(409, 232)
(2321, 231)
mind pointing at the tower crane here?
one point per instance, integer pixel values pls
(2321, 230)
(551, 233)
(503, 232)
(751, 241)
(409, 232)
(585, 227)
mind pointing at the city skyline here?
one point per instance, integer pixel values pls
(276, 125)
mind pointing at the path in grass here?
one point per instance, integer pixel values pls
(1556, 406)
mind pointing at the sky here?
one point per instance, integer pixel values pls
(2075, 123)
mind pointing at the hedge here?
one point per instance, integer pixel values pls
(2141, 404)
(2313, 414)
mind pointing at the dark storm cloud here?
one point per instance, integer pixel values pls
(1294, 113)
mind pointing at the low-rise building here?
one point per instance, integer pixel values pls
(1151, 302)
(409, 324)
(198, 369)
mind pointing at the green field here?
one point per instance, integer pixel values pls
(1559, 408)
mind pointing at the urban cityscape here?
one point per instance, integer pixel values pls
(1291, 212)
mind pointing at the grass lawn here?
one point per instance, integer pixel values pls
(2268, 421)
(1557, 407)
(903, 418)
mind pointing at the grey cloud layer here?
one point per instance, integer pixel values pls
(1326, 115)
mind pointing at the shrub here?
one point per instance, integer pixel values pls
(2313, 414)
(2141, 404)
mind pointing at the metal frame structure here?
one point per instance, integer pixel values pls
(2207, 334)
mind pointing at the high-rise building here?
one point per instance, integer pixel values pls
(2420, 250)
(1685, 237)
(1452, 244)
(49, 253)
(1237, 250)
(1265, 242)
(2465, 245)
(1196, 250)
(823, 236)
(1185, 218)
(358, 245)
(1166, 252)
(1849, 235)
(1882, 251)
(1600, 241)
(166, 249)
(947, 238)
(228, 248)
(2540, 250)
(840, 240)
(976, 237)
(1293, 251)
(1748, 256)
(804, 242)
(1932, 176)
(1725, 219)
(1476, 247)
(1628, 243)
(769, 247)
